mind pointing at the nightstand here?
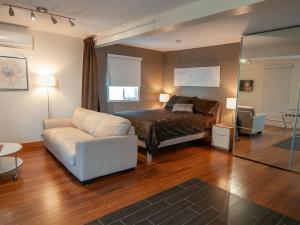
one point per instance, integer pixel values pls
(222, 136)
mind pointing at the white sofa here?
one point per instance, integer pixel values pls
(92, 144)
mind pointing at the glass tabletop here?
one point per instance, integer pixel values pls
(9, 148)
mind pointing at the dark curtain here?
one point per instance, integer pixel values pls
(90, 91)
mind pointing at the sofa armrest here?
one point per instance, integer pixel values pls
(55, 123)
(104, 156)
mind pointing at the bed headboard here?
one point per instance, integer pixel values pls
(200, 105)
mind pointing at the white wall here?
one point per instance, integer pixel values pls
(21, 113)
(275, 87)
(295, 84)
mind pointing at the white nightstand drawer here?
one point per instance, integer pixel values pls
(221, 141)
(221, 131)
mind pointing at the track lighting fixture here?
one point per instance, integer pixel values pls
(33, 16)
(11, 11)
(54, 21)
(71, 23)
(38, 10)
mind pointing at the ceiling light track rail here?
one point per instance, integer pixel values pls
(39, 10)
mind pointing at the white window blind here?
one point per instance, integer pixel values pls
(123, 71)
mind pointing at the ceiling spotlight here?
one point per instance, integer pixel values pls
(178, 41)
(42, 9)
(33, 16)
(11, 11)
(71, 23)
(54, 21)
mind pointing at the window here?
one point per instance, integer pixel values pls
(123, 78)
(123, 94)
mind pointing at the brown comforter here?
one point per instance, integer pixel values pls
(155, 126)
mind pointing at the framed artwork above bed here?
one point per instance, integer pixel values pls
(197, 76)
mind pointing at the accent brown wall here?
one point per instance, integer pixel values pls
(152, 73)
(226, 56)
(158, 74)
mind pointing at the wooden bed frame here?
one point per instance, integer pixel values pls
(174, 141)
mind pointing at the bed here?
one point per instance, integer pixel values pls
(163, 127)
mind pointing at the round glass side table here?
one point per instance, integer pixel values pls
(8, 158)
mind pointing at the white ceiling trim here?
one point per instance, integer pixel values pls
(124, 31)
(169, 19)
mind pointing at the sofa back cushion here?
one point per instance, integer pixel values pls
(86, 120)
(111, 125)
(100, 124)
(249, 109)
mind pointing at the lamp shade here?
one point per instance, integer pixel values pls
(231, 103)
(46, 81)
(164, 97)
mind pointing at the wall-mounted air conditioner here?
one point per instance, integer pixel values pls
(16, 39)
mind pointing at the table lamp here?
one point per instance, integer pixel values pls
(164, 98)
(231, 104)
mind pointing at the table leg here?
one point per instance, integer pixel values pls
(16, 170)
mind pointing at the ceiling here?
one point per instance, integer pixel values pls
(225, 28)
(283, 38)
(91, 16)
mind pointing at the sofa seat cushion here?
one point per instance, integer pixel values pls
(64, 141)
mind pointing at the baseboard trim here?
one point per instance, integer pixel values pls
(33, 143)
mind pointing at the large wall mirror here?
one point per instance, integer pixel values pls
(268, 115)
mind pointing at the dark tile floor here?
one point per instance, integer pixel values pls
(195, 202)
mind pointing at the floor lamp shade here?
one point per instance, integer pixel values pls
(47, 81)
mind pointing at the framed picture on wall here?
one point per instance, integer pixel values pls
(246, 85)
(197, 76)
(13, 73)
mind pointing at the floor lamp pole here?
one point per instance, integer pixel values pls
(49, 104)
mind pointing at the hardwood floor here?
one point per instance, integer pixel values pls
(46, 193)
(263, 148)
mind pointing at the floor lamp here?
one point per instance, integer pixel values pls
(48, 82)
(231, 104)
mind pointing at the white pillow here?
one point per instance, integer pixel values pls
(183, 108)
